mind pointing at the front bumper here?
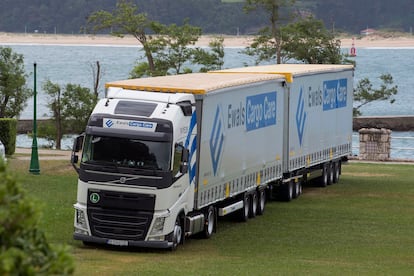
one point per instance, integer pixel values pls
(147, 244)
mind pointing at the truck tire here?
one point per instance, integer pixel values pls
(323, 180)
(253, 205)
(210, 222)
(297, 189)
(244, 212)
(261, 202)
(330, 173)
(337, 171)
(177, 234)
(286, 191)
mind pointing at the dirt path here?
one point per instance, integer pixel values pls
(44, 154)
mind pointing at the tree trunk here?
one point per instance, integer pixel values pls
(97, 78)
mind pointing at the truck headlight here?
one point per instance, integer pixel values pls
(80, 218)
(158, 226)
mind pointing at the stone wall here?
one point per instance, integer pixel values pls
(395, 123)
(374, 144)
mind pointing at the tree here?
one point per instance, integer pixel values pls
(365, 94)
(309, 41)
(70, 107)
(97, 75)
(54, 93)
(125, 20)
(24, 248)
(169, 49)
(78, 103)
(213, 59)
(172, 49)
(268, 44)
(13, 91)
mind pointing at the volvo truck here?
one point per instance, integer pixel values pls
(162, 158)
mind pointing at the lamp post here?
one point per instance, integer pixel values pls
(34, 161)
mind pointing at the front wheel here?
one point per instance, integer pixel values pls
(177, 234)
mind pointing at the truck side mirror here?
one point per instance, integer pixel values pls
(184, 157)
(78, 143)
(184, 161)
(74, 159)
(77, 146)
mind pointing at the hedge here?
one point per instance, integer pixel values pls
(8, 131)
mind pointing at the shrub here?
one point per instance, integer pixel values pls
(24, 249)
(8, 130)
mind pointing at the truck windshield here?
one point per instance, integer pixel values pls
(128, 153)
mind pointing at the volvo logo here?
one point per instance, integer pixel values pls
(94, 198)
(123, 180)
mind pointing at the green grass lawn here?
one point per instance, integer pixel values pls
(363, 225)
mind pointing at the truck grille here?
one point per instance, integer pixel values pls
(119, 215)
(120, 225)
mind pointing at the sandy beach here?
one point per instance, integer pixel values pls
(229, 41)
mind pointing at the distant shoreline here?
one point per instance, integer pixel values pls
(229, 41)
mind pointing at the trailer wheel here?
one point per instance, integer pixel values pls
(297, 189)
(323, 180)
(210, 223)
(330, 173)
(262, 202)
(244, 212)
(253, 206)
(286, 191)
(177, 234)
(337, 171)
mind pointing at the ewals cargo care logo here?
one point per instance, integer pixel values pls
(109, 123)
(334, 94)
(216, 140)
(129, 124)
(259, 111)
(301, 116)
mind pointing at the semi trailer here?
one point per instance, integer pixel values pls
(163, 157)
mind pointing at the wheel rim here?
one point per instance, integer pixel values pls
(210, 222)
(325, 176)
(290, 191)
(262, 201)
(177, 233)
(254, 205)
(298, 189)
(337, 172)
(331, 174)
(246, 206)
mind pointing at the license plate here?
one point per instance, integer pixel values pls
(117, 242)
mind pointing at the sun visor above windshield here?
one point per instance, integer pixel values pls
(135, 108)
